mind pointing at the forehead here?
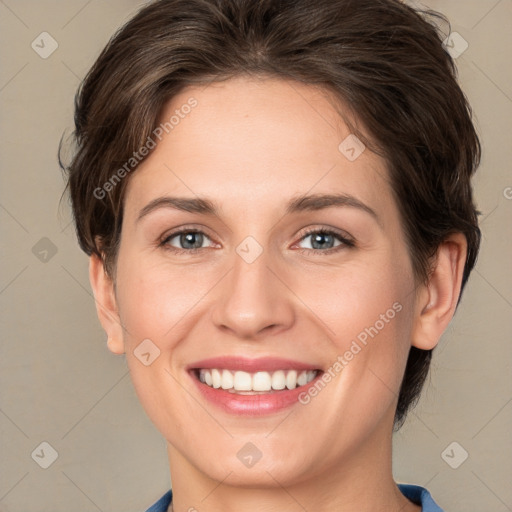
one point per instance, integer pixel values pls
(257, 139)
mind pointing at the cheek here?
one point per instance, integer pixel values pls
(155, 300)
(367, 311)
(369, 315)
(354, 301)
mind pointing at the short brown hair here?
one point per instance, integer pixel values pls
(381, 57)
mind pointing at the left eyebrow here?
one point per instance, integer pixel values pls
(298, 204)
(321, 201)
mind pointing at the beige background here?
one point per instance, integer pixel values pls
(60, 385)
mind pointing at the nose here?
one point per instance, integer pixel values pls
(254, 300)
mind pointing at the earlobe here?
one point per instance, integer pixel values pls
(437, 300)
(106, 304)
(115, 346)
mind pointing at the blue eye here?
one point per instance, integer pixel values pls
(323, 240)
(187, 240)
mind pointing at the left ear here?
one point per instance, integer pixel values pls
(437, 300)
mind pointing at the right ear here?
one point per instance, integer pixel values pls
(106, 305)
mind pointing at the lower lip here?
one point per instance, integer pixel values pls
(252, 405)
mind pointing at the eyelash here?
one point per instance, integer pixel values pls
(346, 242)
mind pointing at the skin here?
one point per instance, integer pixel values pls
(250, 146)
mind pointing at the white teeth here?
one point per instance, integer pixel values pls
(216, 378)
(259, 381)
(242, 381)
(302, 379)
(227, 379)
(278, 380)
(291, 379)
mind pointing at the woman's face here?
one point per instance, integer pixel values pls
(291, 265)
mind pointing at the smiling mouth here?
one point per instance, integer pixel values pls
(262, 382)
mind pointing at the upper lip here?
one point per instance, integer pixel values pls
(265, 364)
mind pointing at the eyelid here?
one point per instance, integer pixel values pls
(169, 235)
(345, 238)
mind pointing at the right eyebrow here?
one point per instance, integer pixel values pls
(191, 205)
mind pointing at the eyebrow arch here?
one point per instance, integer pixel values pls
(320, 201)
(203, 206)
(298, 204)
